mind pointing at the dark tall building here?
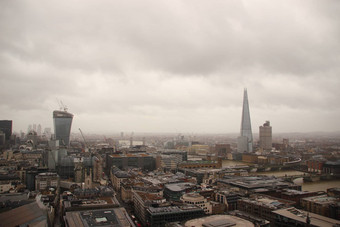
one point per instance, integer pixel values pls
(62, 126)
(6, 127)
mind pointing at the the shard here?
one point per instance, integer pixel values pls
(245, 140)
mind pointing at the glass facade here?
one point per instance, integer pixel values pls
(62, 126)
(246, 125)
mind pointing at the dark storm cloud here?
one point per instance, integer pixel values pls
(157, 64)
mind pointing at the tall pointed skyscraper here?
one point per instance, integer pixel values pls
(245, 140)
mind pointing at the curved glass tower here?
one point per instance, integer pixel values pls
(62, 126)
(245, 141)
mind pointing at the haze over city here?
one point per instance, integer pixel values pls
(171, 66)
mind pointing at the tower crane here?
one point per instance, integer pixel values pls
(86, 145)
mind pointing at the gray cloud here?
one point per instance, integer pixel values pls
(167, 66)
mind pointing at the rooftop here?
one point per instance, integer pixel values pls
(172, 209)
(299, 215)
(219, 221)
(116, 217)
(27, 214)
(179, 186)
(321, 199)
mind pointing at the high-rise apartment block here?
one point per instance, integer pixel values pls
(62, 126)
(266, 136)
(245, 140)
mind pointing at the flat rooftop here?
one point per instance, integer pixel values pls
(299, 215)
(116, 217)
(172, 209)
(177, 187)
(321, 199)
(219, 221)
(27, 214)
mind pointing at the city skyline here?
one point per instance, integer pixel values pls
(180, 67)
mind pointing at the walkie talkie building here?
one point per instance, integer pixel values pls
(62, 126)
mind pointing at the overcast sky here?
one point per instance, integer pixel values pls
(171, 66)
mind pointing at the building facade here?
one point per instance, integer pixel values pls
(6, 127)
(265, 141)
(245, 140)
(62, 126)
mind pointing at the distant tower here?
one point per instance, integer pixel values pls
(62, 126)
(39, 130)
(6, 127)
(245, 140)
(266, 136)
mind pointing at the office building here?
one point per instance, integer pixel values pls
(262, 206)
(295, 217)
(160, 216)
(99, 217)
(266, 136)
(6, 127)
(62, 126)
(122, 161)
(219, 221)
(45, 180)
(323, 205)
(197, 200)
(245, 140)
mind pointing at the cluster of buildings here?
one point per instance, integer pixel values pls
(60, 181)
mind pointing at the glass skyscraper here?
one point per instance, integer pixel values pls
(62, 126)
(245, 140)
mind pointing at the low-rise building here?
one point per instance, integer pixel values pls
(294, 217)
(45, 180)
(174, 191)
(159, 216)
(97, 218)
(142, 201)
(219, 221)
(323, 205)
(262, 206)
(197, 200)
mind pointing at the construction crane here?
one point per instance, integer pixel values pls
(62, 106)
(86, 145)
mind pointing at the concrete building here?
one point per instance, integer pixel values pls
(255, 184)
(200, 164)
(98, 218)
(27, 215)
(122, 161)
(219, 221)
(117, 177)
(45, 180)
(262, 206)
(173, 192)
(294, 217)
(160, 216)
(265, 141)
(229, 198)
(197, 200)
(323, 205)
(142, 201)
